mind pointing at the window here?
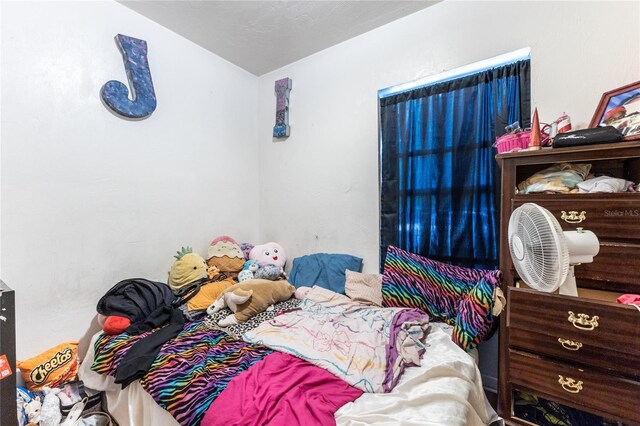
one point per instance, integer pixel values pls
(438, 176)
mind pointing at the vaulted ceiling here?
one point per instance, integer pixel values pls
(262, 36)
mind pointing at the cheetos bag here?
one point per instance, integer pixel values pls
(51, 368)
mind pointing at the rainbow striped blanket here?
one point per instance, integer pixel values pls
(190, 370)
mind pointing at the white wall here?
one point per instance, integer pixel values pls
(88, 198)
(319, 188)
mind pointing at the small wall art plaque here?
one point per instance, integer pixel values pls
(115, 94)
(282, 129)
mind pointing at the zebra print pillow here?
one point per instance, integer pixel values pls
(474, 321)
(462, 297)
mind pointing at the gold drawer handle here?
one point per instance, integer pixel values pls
(582, 321)
(569, 345)
(569, 384)
(573, 216)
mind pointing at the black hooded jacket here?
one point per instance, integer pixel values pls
(148, 305)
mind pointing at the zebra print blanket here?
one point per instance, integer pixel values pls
(190, 370)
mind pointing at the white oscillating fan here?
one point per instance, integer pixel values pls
(544, 254)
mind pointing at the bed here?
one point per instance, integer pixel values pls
(372, 366)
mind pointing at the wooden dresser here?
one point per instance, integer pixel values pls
(580, 352)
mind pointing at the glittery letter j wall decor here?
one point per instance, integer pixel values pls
(283, 88)
(143, 98)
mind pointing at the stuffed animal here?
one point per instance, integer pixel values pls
(225, 254)
(271, 258)
(248, 271)
(212, 272)
(249, 298)
(270, 272)
(24, 397)
(32, 410)
(50, 414)
(246, 248)
(269, 254)
(301, 292)
(187, 268)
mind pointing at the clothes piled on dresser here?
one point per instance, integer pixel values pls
(561, 178)
(566, 178)
(605, 184)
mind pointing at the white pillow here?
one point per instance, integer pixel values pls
(364, 288)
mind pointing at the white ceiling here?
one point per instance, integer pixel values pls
(261, 36)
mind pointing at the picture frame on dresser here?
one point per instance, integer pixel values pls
(575, 352)
(620, 108)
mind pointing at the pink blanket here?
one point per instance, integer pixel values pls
(280, 390)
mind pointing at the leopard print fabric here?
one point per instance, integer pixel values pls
(237, 330)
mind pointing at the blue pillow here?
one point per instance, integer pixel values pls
(324, 270)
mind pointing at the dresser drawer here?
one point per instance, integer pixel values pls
(575, 352)
(604, 325)
(610, 217)
(615, 268)
(573, 386)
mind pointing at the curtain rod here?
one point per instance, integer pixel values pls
(463, 71)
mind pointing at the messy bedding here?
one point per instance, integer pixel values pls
(329, 361)
(367, 347)
(190, 370)
(371, 347)
(445, 389)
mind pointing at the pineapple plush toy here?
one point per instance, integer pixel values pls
(187, 268)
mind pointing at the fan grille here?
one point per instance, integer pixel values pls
(537, 246)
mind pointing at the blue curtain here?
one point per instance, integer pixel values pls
(439, 184)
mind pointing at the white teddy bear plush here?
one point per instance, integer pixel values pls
(32, 410)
